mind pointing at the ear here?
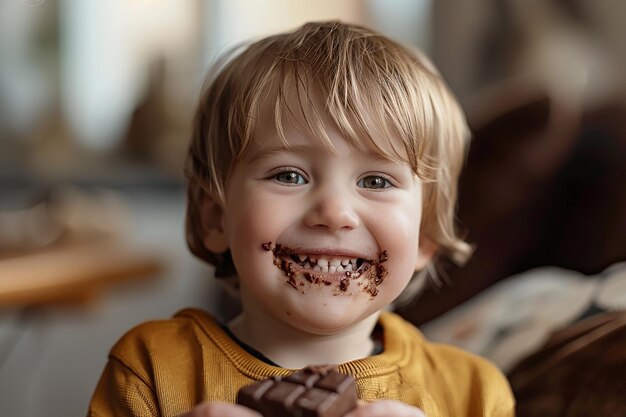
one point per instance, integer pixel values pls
(427, 249)
(212, 221)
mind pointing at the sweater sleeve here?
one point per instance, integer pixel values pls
(122, 393)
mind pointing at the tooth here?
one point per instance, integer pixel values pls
(340, 268)
(332, 269)
(317, 268)
(349, 267)
(324, 267)
(302, 257)
(345, 262)
(307, 265)
(323, 263)
(335, 262)
(353, 262)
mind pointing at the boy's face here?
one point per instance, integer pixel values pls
(331, 217)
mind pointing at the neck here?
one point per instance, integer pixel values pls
(295, 348)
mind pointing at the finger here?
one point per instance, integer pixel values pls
(221, 409)
(386, 408)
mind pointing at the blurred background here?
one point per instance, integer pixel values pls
(96, 101)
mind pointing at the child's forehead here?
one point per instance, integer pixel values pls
(307, 127)
(293, 100)
(304, 142)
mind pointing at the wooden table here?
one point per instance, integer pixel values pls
(72, 273)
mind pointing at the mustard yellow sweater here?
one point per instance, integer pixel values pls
(165, 368)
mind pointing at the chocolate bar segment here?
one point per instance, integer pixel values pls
(304, 377)
(316, 402)
(278, 400)
(251, 395)
(335, 382)
(310, 392)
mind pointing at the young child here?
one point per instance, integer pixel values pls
(322, 174)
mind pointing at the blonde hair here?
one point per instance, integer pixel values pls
(379, 93)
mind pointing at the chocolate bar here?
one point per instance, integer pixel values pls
(315, 391)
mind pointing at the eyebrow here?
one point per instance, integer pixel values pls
(268, 152)
(304, 148)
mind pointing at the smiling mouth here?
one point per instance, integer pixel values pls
(325, 269)
(328, 264)
(321, 264)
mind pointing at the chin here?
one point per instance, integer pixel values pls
(325, 316)
(321, 326)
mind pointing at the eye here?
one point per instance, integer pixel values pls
(374, 182)
(289, 177)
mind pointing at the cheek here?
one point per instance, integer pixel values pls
(255, 220)
(248, 229)
(398, 233)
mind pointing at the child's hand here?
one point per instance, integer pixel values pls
(385, 408)
(220, 409)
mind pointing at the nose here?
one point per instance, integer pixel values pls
(333, 211)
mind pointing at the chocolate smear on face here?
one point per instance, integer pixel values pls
(344, 284)
(309, 277)
(381, 273)
(287, 268)
(376, 274)
(280, 251)
(291, 281)
(282, 261)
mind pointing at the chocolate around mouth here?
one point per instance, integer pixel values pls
(316, 269)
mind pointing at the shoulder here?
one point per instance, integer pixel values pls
(154, 362)
(478, 383)
(440, 356)
(165, 339)
(481, 385)
(466, 366)
(183, 324)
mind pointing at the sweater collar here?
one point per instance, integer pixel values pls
(395, 352)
